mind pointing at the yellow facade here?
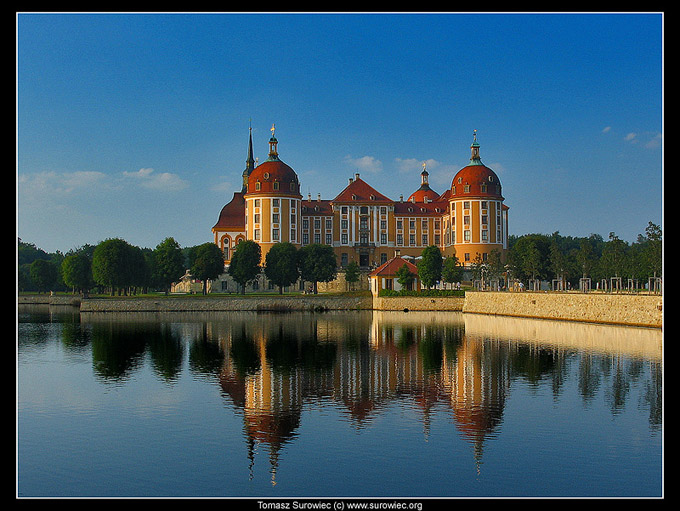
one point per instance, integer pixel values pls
(469, 220)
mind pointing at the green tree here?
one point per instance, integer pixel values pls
(44, 274)
(430, 266)
(405, 277)
(352, 273)
(110, 264)
(281, 265)
(76, 270)
(245, 263)
(653, 253)
(317, 263)
(168, 264)
(452, 271)
(208, 263)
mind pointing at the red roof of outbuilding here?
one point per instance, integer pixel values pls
(392, 266)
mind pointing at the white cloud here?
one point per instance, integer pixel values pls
(408, 165)
(164, 181)
(654, 142)
(365, 163)
(607, 129)
(631, 137)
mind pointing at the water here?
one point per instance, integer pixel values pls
(354, 404)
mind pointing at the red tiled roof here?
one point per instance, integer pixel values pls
(232, 216)
(420, 208)
(316, 207)
(392, 266)
(360, 191)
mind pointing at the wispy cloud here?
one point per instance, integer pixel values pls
(365, 163)
(163, 181)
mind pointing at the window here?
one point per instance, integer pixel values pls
(363, 222)
(363, 210)
(292, 218)
(257, 234)
(412, 239)
(425, 239)
(343, 238)
(343, 224)
(317, 238)
(400, 239)
(383, 258)
(412, 225)
(466, 189)
(329, 239)
(466, 219)
(383, 239)
(275, 218)
(344, 259)
(275, 203)
(257, 186)
(466, 235)
(383, 224)
(257, 218)
(276, 185)
(485, 219)
(292, 234)
(305, 223)
(317, 223)
(275, 234)
(344, 210)
(466, 204)
(399, 224)
(383, 210)
(257, 203)
(329, 224)
(424, 224)
(485, 235)
(437, 239)
(305, 238)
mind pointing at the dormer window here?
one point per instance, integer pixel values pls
(276, 185)
(266, 175)
(257, 186)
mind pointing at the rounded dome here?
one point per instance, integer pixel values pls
(422, 193)
(476, 181)
(273, 177)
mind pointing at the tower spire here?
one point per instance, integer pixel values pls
(250, 161)
(474, 150)
(273, 154)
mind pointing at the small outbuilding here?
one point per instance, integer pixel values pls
(385, 276)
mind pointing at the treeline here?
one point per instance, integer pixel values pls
(548, 257)
(115, 267)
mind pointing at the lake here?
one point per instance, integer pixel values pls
(334, 404)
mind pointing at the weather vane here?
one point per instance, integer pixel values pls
(272, 129)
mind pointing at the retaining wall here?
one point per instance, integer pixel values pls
(618, 309)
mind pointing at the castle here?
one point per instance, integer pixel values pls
(469, 219)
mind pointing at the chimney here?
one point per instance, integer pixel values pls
(356, 176)
(318, 197)
(351, 180)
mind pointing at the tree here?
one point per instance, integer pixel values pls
(76, 270)
(352, 273)
(245, 263)
(452, 271)
(110, 264)
(44, 274)
(281, 265)
(168, 263)
(430, 266)
(405, 277)
(317, 263)
(208, 263)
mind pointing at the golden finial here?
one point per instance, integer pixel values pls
(273, 128)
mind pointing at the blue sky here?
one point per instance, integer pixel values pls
(136, 126)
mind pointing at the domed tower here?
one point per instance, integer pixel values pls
(424, 193)
(272, 200)
(477, 214)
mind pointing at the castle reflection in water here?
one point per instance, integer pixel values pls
(364, 362)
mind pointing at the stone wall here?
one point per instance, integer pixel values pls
(231, 303)
(621, 309)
